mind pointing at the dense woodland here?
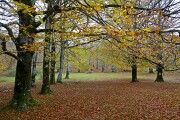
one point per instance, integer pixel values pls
(86, 36)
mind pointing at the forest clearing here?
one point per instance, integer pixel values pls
(101, 99)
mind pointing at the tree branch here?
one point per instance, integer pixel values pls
(84, 43)
(9, 30)
(5, 51)
(7, 3)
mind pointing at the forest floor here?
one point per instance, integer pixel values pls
(111, 99)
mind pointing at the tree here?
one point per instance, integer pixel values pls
(67, 71)
(53, 62)
(62, 54)
(22, 97)
(46, 82)
(67, 63)
(34, 71)
(134, 70)
(24, 40)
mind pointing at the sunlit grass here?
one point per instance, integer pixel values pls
(96, 76)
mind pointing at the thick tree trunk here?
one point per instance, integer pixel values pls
(53, 62)
(33, 84)
(22, 98)
(59, 79)
(159, 77)
(45, 89)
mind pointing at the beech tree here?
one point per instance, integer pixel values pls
(53, 60)
(24, 40)
(22, 97)
(46, 58)
(34, 71)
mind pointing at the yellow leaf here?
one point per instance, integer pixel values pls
(147, 30)
(20, 5)
(39, 13)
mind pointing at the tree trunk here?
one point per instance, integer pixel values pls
(67, 71)
(46, 82)
(97, 64)
(151, 70)
(159, 77)
(134, 71)
(113, 68)
(45, 89)
(67, 74)
(34, 59)
(59, 79)
(22, 98)
(159, 68)
(53, 62)
(103, 66)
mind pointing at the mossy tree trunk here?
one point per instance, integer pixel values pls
(22, 98)
(45, 89)
(53, 62)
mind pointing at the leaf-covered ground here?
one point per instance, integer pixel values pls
(102, 100)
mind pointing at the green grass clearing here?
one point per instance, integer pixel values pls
(104, 76)
(96, 76)
(81, 77)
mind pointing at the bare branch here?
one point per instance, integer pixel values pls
(7, 3)
(5, 51)
(10, 32)
(84, 43)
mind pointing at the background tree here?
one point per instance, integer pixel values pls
(46, 59)
(53, 59)
(34, 71)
